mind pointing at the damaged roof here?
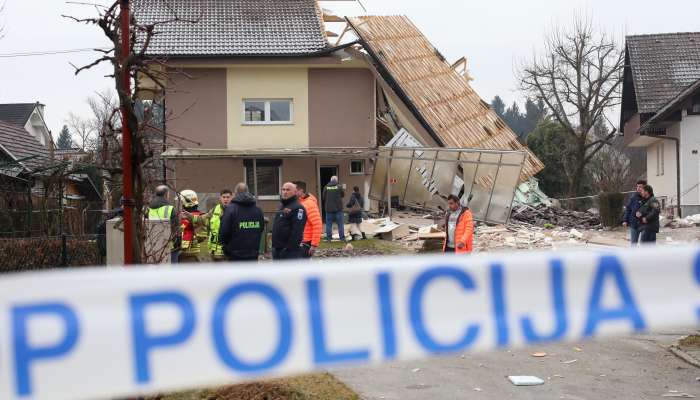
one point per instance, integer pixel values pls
(210, 28)
(440, 96)
(662, 66)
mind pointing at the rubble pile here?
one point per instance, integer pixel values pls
(542, 216)
(490, 238)
(335, 253)
(675, 223)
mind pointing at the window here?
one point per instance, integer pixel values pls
(357, 167)
(695, 106)
(262, 112)
(660, 159)
(267, 184)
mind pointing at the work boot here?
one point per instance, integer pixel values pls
(364, 236)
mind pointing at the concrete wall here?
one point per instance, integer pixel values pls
(690, 159)
(267, 83)
(664, 184)
(341, 108)
(207, 175)
(197, 107)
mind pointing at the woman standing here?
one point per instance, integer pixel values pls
(356, 205)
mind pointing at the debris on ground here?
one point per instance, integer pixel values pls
(541, 354)
(525, 380)
(675, 223)
(570, 361)
(677, 394)
(541, 215)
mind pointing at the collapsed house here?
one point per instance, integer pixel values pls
(261, 97)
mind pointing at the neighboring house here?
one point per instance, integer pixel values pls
(30, 116)
(257, 94)
(661, 112)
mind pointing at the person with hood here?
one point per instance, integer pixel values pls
(160, 208)
(242, 226)
(288, 226)
(314, 225)
(648, 216)
(333, 195)
(356, 205)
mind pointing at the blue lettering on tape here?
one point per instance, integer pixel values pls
(386, 310)
(25, 354)
(696, 273)
(322, 355)
(416, 312)
(610, 268)
(143, 342)
(499, 305)
(284, 320)
(561, 323)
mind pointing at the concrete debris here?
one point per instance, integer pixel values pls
(525, 380)
(677, 394)
(554, 216)
(541, 354)
(393, 231)
(333, 253)
(687, 222)
(414, 370)
(529, 193)
(570, 361)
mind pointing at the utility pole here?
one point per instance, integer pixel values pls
(127, 179)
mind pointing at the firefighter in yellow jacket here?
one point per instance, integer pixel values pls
(213, 223)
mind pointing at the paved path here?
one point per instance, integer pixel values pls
(640, 367)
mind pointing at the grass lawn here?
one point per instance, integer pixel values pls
(305, 387)
(379, 245)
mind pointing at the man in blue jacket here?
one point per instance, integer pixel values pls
(630, 219)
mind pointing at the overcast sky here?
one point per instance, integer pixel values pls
(494, 35)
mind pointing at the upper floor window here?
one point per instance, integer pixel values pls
(357, 167)
(695, 106)
(262, 112)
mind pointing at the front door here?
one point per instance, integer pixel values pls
(326, 173)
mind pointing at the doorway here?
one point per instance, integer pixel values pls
(325, 173)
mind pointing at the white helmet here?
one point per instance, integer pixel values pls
(189, 198)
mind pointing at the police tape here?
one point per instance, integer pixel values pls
(105, 333)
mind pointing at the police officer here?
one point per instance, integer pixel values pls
(242, 226)
(288, 226)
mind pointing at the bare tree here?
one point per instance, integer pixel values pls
(82, 129)
(149, 77)
(611, 167)
(579, 79)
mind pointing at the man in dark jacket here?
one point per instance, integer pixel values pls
(648, 216)
(333, 195)
(629, 219)
(288, 226)
(242, 226)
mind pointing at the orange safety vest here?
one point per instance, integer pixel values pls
(464, 232)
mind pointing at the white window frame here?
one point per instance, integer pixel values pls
(264, 197)
(363, 167)
(267, 112)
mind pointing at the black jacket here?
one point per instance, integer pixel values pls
(242, 226)
(650, 209)
(288, 227)
(632, 207)
(355, 217)
(333, 198)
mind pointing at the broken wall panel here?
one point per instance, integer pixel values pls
(422, 177)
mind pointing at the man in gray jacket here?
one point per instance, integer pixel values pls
(333, 202)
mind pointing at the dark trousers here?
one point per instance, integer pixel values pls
(243, 258)
(648, 236)
(339, 218)
(286, 254)
(449, 250)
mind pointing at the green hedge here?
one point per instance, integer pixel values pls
(611, 207)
